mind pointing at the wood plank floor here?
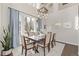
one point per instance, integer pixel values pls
(70, 50)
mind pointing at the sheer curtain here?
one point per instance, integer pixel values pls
(39, 21)
(14, 27)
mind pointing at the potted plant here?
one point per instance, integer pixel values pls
(6, 43)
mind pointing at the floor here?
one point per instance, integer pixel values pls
(70, 50)
(58, 50)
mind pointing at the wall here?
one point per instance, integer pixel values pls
(0, 24)
(78, 31)
(0, 20)
(24, 7)
(66, 15)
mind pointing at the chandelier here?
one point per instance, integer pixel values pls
(42, 10)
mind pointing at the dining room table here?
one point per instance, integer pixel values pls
(36, 39)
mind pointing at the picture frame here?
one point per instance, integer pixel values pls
(67, 25)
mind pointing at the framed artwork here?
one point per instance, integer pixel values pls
(58, 25)
(67, 25)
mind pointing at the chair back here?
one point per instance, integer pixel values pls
(24, 43)
(48, 37)
(53, 36)
(31, 33)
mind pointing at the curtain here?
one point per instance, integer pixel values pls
(14, 27)
(39, 21)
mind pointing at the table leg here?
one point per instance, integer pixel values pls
(36, 48)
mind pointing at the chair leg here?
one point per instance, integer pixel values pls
(25, 52)
(48, 47)
(36, 50)
(52, 44)
(34, 47)
(37, 47)
(44, 51)
(22, 49)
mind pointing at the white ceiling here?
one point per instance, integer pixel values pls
(39, 5)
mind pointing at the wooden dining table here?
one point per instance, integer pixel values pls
(36, 39)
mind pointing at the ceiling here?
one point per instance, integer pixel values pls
(40, 5)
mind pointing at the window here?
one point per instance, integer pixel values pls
(30, 23)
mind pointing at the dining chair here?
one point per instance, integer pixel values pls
(31, 33)
(27, 46)
(46, 42)
(53, 40)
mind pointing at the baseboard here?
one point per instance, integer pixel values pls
(65, 43)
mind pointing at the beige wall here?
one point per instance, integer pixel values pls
(24, 7)
(0, 19)
(66, 15)
(0, 15)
